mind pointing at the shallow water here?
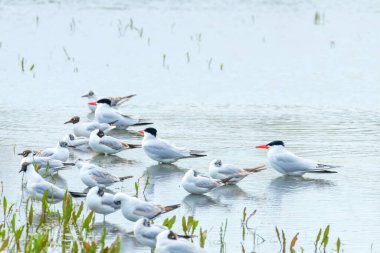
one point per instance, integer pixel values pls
(316, 87)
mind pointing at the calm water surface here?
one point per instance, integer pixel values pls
(222, 77)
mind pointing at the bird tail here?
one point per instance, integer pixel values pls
(125, 177)
(197, 153)
(124, 99)
(78, 194)
(255, 169)
(324, 168)
(170, 208)
(327, 166)
(322, 171)
(142, 122)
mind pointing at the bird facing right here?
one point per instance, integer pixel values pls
(162, 151)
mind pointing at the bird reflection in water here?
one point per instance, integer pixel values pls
(162, 173)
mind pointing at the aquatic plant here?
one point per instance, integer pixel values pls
(67, 229)
(42, 227)
(189, 225)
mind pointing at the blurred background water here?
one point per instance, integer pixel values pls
(221, 76)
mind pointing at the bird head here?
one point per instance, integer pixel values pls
(271, 144)
(73, 120)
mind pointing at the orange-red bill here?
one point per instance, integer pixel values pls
(91, 103)
(263, 146)
(141, 132)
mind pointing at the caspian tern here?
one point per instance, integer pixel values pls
(104, 113)
(168, 242)
(133, 208)
(101, 202)
(146, 233)
(77, 143)
(162, 151)
(36, 186)
(93, 175)
(288, 163)
(84, 129)
(60, 152)
(218, 170)
(115, 101)
(103, 144)
(195, 183)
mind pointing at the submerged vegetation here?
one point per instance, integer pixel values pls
(41, 227)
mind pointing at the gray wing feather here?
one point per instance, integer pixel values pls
(152, 232)
(205, 182)
(107, 199)
(111, 143)
(102, 177)
(166, 151)
(46, 153)
(229, 170)
(53, 191)
(147, 210)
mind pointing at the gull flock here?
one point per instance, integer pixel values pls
(93, 136)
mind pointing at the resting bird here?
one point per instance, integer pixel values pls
(219, 170)
(45, 166)
(84, 129)
(162, 151)
(104, 113)
(77, 143)
(133, 208)
(115, 101)
(168, 242)
(146, 232)
(60, 152)
(289, 164)
(36, 186)
(195, 183)
(101, 202)
(103, 144)
(93, 175)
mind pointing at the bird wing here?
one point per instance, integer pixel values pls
(292, 163)
(39, 188)
(205, 182)
(111, 142)
(152, 232)
(107, 199)
(79, 142)
(147, 210)
(110, 116)
(102, 176)
(92, 126)
(166, 150)
(46, 152)
(229, 170)
(180, 246)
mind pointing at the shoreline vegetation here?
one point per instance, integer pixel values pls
(40, 227)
